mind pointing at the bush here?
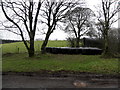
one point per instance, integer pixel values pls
(113, 42)
(99, 43)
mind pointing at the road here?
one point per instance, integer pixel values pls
(19, 81)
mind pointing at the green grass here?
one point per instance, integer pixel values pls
(13, 47)
(78, 63)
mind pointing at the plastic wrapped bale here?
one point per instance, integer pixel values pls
(68, 50)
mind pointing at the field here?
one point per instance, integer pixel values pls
(13, 47)
(20, 62)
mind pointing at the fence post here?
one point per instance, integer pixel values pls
(17, 48)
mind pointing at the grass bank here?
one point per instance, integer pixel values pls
(77, 63)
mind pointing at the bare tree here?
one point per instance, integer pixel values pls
(78, 22)
(53, 13)
(106, 17)
(23, 16)
(100, 30)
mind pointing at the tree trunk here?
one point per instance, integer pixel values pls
(106, 50)
(77, 42)
(119, 40)
(31, 50)
(43, 50)
(84, 42)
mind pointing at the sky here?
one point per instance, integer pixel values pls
(56, 35)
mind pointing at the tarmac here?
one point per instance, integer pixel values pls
(24, 81)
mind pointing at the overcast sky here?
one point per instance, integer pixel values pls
(58, 34)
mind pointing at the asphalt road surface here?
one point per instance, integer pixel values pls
(19, 81)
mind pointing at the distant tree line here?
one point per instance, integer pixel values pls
(8, 41)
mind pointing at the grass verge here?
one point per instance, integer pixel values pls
(50, 62)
